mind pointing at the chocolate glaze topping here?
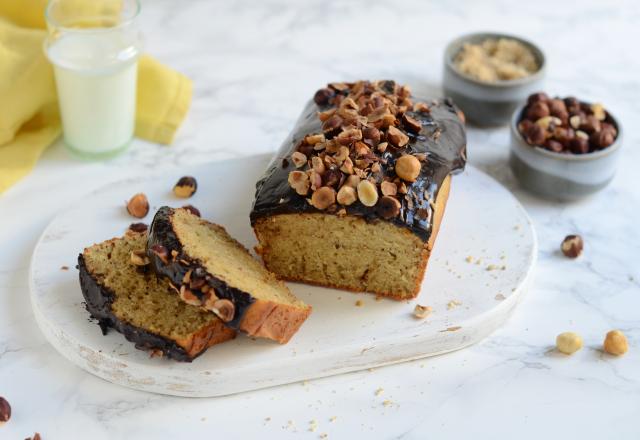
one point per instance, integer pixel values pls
(441, 139)
(176, 267)
(98, 301)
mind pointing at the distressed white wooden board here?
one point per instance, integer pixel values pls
(483, 220)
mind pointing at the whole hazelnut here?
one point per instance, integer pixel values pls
(192, 209)
(602, 139)
(524, 126)
(572, 246)
(615, 343)
(537, 97)
(408, 168)
(590, 124)
(557, 107)
(299, 181)
(537, 110)
(5, 411)
(606, 126)
(579, 145)
(553, 145)
(564, 135)
(535, 135)
(138, 205)
(347, 195)
(388, 207)
(323, 96)
(568, 342)
(367, 193)
(323, 197)
(185, 187)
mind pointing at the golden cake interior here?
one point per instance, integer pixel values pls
(348, 252)
(226, 259)
(142, 299)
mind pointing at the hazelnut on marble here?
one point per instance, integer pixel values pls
(138, 205)
(572, 246)
(616, 343)
(568, 342)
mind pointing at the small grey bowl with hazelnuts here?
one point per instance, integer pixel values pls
(564, 149)
(488, 75)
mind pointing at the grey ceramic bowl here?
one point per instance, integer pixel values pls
(559, 176)
(484, 103)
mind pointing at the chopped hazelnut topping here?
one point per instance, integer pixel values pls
(187, 296)
(422, 312)
(347, 195)
(224, 309)
(388, 188)
(397, 137)
(298, 159)
(323, 197)
(411, 124)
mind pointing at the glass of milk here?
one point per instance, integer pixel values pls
(94, 47)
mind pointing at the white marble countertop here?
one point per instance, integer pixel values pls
(254, 64)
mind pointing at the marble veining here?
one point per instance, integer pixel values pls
(254, 64)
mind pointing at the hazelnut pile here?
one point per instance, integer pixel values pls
(365, 126)
(566, 125)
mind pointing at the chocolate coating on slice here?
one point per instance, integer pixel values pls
(441, 139)
(175, 268)
(98, 301)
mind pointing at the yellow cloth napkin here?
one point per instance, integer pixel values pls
(29, 119)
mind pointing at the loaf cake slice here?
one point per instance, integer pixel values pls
(141, 306)
(355, 196)
(210, 269)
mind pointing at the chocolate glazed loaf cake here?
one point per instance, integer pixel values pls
(144, 308)
(356, 194)
(208, 268)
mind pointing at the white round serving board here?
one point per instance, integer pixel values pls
(483, 223)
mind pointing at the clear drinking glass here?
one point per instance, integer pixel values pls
(94, 47)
